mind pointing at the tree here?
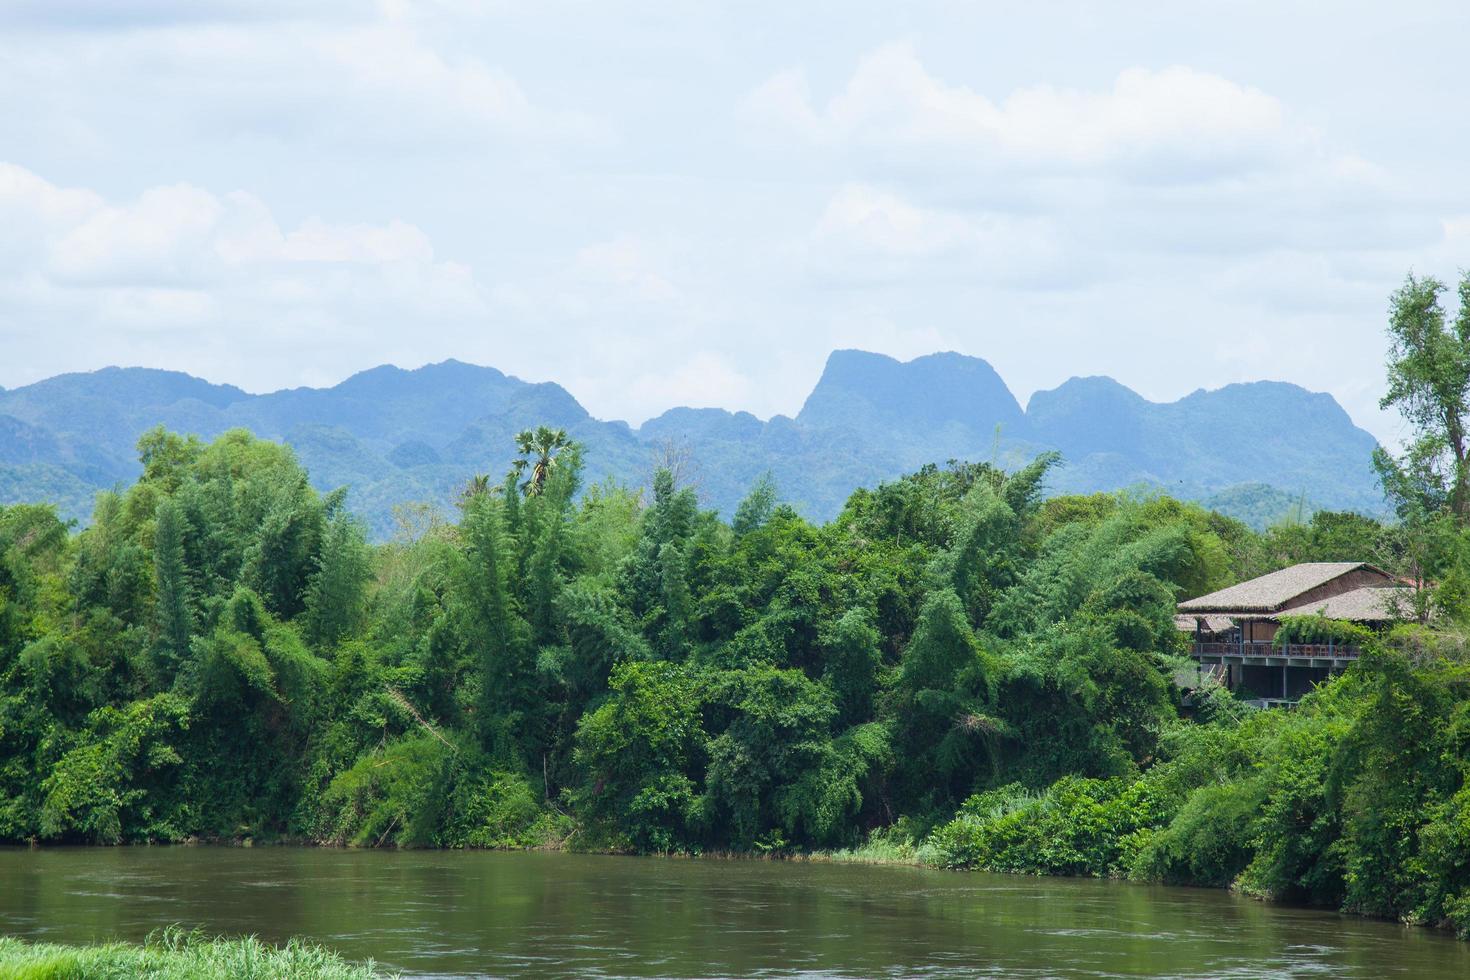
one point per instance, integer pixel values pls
(475, 486)
(1429, 383)
(756, 508)
(638, 748)
(337, 591)
(539, 450)
(946, 687)
(279, 559)
(492, 626)
(544, 543)
(166, 456)
(171, 610)
(853, 657)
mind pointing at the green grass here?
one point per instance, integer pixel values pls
(899, 844)
(174, 955)
(920, 855)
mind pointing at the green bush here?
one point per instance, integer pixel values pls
(493, 809)
(1077, 827)
(388, 797)
(1210, 841)
(1320, 629)
(119, 782)
(177, 956)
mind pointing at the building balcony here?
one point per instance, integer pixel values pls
(1265, 653)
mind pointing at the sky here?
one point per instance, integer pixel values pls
(659, 204)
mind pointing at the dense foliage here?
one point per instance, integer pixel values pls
(953, 664)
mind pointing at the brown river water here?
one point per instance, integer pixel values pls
(455, 914)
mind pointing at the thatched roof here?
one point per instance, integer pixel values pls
(1210, 624)
(1272, 592)
(1366, 605)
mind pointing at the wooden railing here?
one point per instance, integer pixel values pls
(1317, 651)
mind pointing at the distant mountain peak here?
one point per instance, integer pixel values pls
(859, 388)
(390, 375)
(1092, 384)
(137, 386)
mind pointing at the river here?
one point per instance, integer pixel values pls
(439, 913)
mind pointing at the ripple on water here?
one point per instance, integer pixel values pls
(537, 915)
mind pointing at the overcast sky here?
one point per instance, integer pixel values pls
(692, 203)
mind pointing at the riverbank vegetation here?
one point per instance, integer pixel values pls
(955, 667)
(176, 956)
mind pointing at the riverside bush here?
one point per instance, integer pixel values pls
(1076, 827)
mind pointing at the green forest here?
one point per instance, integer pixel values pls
(957, 669)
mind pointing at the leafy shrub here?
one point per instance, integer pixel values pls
(488, 808)
(1320, 629)
(116, 784)
(1077, 827)
(1445, 844)
(1210, 841)
(389, 797)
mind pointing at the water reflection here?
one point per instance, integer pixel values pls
(475, 914)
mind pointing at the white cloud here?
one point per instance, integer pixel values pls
(182, 236)
(703, 379)
(1050, 188)
(1175, 115)
(317, 241)
(1169, 172)
(219, 267)
(164, 237)
(1457, 235)
(883, 222)
(389, 64)
(870, 233)
(628, 264)
(367, 75)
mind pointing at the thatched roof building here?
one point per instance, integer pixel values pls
(1268, 595)
(1236, 629)
(1207, 623)
(1365, 605)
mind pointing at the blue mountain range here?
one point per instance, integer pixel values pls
(396, 436)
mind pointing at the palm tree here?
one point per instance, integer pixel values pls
(538, 451)
(474, 487)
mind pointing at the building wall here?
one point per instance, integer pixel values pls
(1259, 630)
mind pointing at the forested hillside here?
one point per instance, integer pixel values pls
(222, 654)
(1256, 451)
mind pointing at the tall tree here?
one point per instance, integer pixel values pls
(1429, 383)
(756, 508)
(279, 559)
(545, 541)
(337, 590)
(493, 628)
(539, 452)
(474, 487)
(171, 610)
